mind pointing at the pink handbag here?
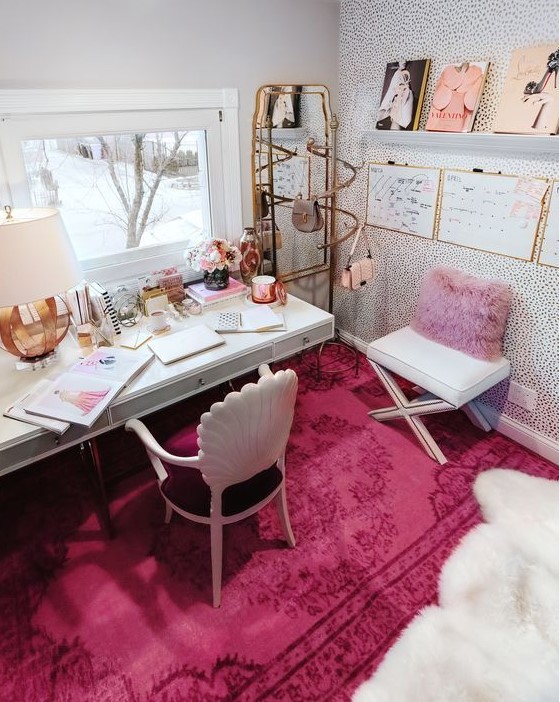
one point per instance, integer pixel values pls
(356, 275)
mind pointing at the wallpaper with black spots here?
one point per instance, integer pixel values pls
(374, 33)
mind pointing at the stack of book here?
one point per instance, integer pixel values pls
(206, 297)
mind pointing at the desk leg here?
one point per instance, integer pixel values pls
(90, 457)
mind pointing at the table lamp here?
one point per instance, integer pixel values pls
(37, 262)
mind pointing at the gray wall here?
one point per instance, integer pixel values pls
(173, 44)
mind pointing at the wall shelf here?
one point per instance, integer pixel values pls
(523, 145)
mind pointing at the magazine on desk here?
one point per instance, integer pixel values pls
(82, 393)
(17, 411)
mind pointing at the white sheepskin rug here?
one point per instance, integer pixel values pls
(494, 636)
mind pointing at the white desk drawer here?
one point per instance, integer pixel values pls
(46, 443)
(304, 340)
(190, 385)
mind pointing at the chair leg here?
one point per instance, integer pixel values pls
(475, 415)
(216, 539)
(409, 410)
(282, 507)
(426, 439)
(168, 512)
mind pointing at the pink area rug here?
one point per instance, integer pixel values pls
(83, 618)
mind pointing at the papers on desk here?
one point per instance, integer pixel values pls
(257, 319)
(81, 394)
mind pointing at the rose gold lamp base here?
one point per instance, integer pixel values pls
(32, 331)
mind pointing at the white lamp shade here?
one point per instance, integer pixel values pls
(37, 260)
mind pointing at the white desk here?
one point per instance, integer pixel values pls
(159, 385)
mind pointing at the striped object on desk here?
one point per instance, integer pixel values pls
(109, 308)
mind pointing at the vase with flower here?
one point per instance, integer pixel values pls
(213, 257)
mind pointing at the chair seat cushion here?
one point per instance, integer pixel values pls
(451, 375)
(186, 488)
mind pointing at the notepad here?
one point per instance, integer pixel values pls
(135, 339)
(261, 319)
(185, 343)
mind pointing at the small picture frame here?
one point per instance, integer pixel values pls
(173, 286)
(155, 302)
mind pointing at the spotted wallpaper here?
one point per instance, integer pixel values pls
(375, 33)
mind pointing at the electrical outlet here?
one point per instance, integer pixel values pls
(522, 397)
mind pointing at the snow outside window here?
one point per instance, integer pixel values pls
(135, 187)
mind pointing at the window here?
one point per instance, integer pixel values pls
(138, 177)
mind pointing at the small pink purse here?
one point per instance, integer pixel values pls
(356, 275)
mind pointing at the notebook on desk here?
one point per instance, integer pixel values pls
(185, 343)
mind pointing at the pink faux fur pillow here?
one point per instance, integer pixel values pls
(462, 311)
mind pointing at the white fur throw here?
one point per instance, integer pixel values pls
(494, 637)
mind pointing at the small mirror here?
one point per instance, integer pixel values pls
(287, 118)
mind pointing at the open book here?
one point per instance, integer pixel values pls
(81, 394)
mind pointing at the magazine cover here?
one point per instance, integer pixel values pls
(457, 96)
(283, 106)
(402, 95)
(529, 102)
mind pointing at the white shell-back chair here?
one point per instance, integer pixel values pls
(232, 464)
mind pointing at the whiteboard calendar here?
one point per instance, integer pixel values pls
(291, 176)
(548, 255)
(489, 212)
(403, 198)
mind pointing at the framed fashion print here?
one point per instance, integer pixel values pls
(283, 106)
(457, 97)
(402, 95)
(529, 101)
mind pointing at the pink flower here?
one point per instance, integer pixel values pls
(212, 254)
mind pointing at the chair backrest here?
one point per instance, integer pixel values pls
(248, 431)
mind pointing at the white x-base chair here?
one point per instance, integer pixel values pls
(447, 379)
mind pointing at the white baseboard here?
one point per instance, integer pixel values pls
(541, 445)
(351, 339)
(545, 447)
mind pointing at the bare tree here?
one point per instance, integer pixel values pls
(137, 201)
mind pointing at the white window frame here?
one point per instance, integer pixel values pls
(35, 114)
